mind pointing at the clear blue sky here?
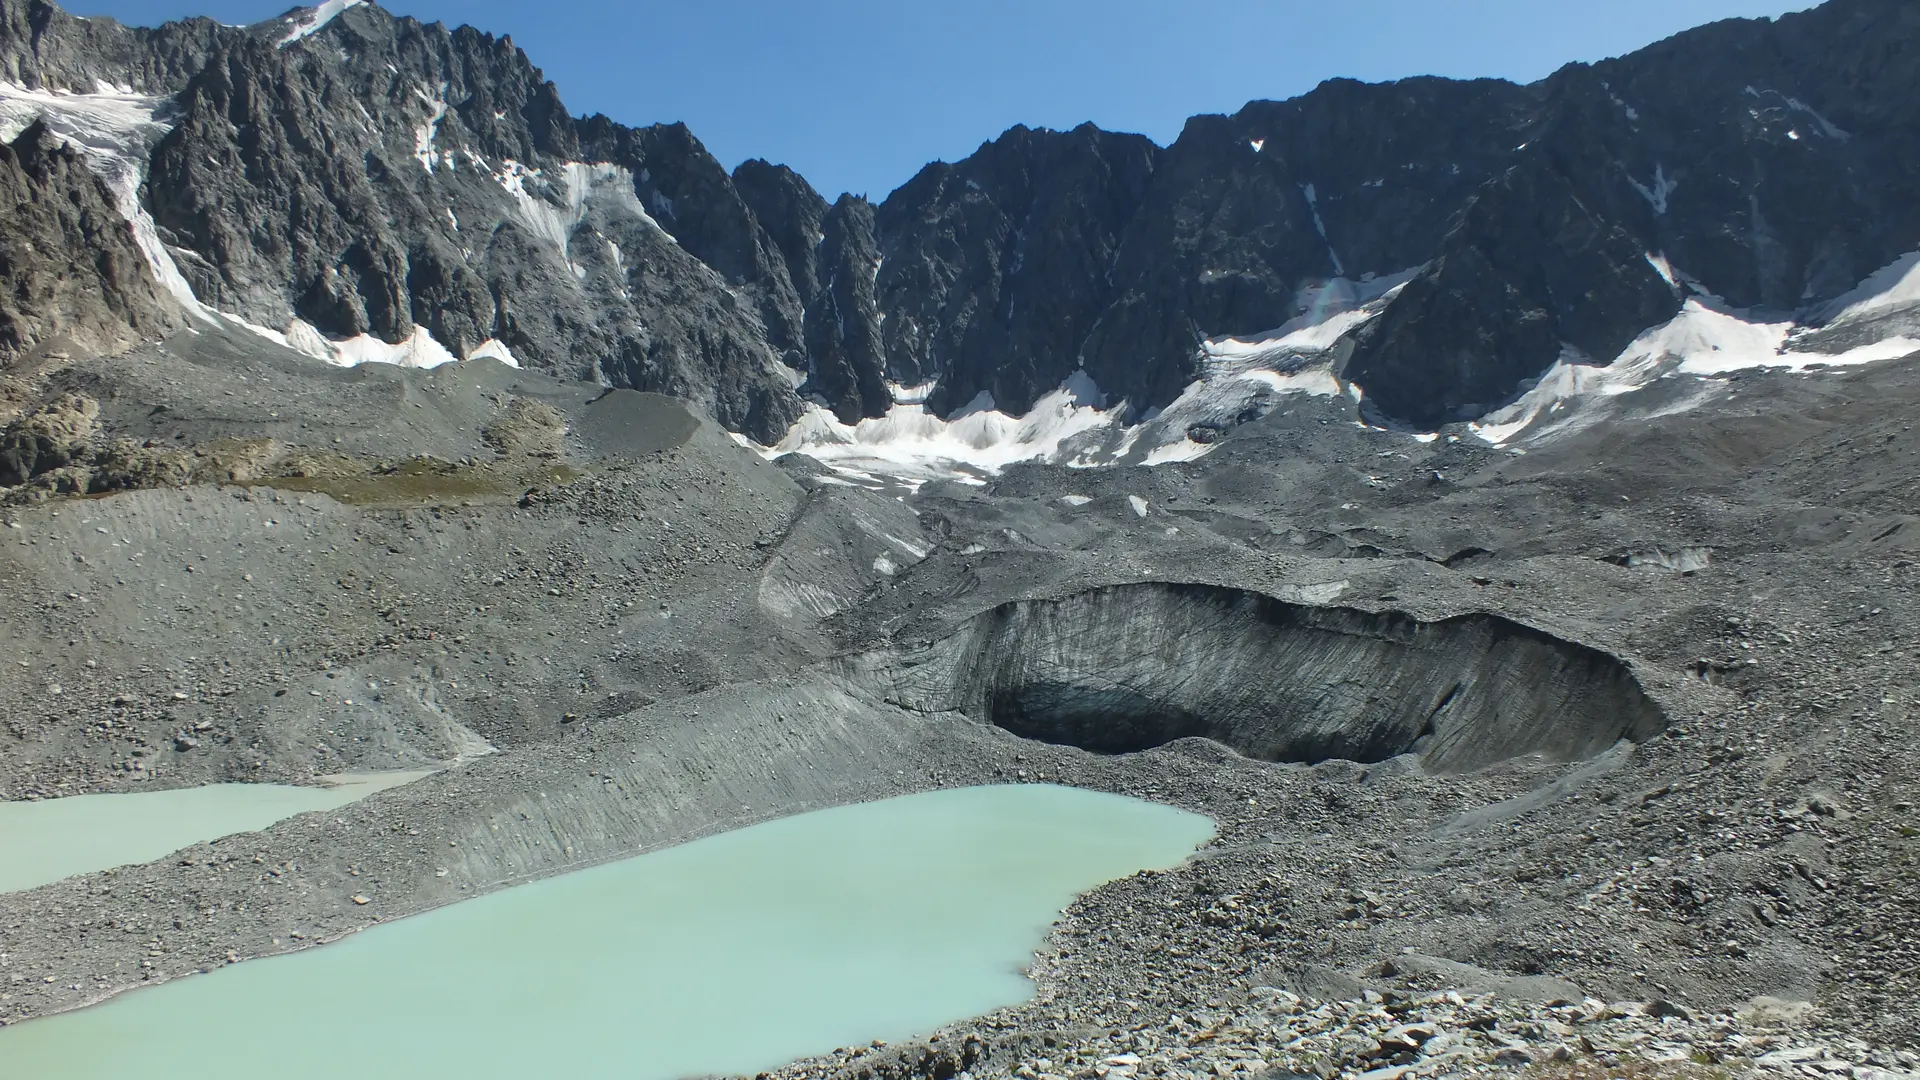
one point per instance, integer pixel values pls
(858, 94)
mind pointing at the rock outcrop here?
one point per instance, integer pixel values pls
(73, 270)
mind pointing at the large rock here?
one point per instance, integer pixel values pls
(843, 323)
(73, 270)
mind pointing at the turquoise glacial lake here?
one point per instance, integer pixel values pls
(43, 842)
(727, 955)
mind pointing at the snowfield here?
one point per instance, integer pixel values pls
(1708, 339)
(1076, 425)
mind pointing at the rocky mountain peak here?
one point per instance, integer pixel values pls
(375, 187)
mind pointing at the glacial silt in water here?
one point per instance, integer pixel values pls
(43, 842)
(729, 954)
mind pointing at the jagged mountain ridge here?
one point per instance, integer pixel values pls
(377, 177)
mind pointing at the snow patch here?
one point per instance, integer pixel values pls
(1827, 127)
(316, 19)
(1893, 286)
(420, 350)
(1138, 504)
(911, 395)
(1075, 500)
(1662, 189)
(1664, 268)
(1320, 226)
(914, 445)
(1076, 426)
(1329, 312)
(1704, 340)
(1316, 337)
(492, 349)
(424, 135)
(554, 207)
(1258, 145)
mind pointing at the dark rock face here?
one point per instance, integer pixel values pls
(42, 46)
(382, 176)
(791, 214)
(72, 269)
(1529, 270)
(996, 269)
(1247, 209)
(843, 323)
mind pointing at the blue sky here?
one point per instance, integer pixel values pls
(858, 94)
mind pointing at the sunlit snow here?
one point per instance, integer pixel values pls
(316, 19)
(555, 206)
(419, 350)
(424, 135)
(1076, 426)
(491, 349)
(912, 444)
(1896, 285)
(1703, 340)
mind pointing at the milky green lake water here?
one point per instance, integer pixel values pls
(42, 842)
(730, 954)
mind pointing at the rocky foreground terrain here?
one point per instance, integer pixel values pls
(1689, 842)
(1505, 529)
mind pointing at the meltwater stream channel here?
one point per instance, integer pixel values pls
(730, 954)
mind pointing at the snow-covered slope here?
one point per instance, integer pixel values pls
(1239, 379)
(1879, 320)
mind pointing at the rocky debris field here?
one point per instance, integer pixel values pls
(665, 636)
(1276, 1033)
